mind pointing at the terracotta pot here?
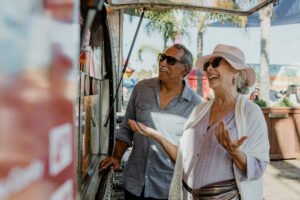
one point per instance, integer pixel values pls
(284, 132)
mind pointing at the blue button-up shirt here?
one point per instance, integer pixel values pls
(149, 166)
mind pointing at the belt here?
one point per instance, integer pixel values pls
(216, 190)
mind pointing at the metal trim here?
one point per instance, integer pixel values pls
(160, 6)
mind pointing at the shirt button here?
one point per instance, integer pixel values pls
(198, 155)
(148, 161)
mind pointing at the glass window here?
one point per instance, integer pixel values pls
(89, 109)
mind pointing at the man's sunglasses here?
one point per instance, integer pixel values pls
(214, 63)
(170, 60)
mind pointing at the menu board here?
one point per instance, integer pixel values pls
(38, 54)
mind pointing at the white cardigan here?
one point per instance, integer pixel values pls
(248, 122)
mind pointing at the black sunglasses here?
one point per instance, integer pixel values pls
(214, 63)
(170, 60)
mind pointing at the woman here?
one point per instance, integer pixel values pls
(224, 149)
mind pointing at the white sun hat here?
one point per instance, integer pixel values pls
(234, 56)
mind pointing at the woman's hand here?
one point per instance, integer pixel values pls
(223, 136)
(142, 129)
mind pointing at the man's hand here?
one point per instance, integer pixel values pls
(142, 129)
(114, 161)
(111, 162)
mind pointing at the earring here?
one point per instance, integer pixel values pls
(233, 81)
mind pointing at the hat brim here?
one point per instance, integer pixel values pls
(249, 71)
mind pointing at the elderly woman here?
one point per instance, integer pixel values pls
(224, 149)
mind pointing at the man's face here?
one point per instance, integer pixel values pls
(170, 70)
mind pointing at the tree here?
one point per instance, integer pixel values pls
(165, 22)
(173, 22)
(265, 25)
(205, 18)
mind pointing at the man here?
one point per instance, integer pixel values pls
(163, 103)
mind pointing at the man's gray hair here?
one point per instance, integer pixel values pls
(187, 57)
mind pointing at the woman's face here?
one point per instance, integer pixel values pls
(221, 74)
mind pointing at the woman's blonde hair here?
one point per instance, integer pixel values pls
(242, 86)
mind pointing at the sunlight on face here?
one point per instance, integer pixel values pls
(221, 77)
(172, 72)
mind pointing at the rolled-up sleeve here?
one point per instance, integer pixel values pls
(257, 152)
(255, 169)
(124, 133)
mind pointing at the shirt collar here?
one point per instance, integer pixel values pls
(187, 93)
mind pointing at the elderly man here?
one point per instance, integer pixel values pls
(163, 103)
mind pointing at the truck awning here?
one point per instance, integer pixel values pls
(240, 7)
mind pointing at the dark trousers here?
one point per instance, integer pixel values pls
(129, 196)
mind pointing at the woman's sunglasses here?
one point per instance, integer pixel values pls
(170, 60)
(214, 63)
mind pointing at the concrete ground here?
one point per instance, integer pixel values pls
(282, 180)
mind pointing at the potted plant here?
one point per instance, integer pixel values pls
(261, 103)
(285, 102)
